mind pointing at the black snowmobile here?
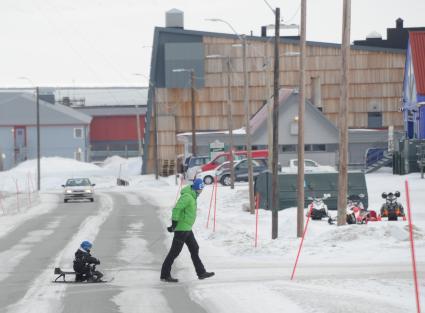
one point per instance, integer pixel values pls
(391, 208)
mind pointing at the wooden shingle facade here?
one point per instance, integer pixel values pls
(376, 79)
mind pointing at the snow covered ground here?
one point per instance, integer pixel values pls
(354, 268)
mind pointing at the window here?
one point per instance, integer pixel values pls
(289, 148)
(318, 147)
(243, 164)
(374, 120)
(309, 163)
(78, 133)
(221, 159)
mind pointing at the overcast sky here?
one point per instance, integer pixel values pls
(104, 42)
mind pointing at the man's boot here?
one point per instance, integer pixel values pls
(206, 275)
(169, 279)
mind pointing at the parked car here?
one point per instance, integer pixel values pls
(193, 165)
(78, 188)
(259, 165)
(192, 161)
(310, 166)
(208, 176)
(237, 155)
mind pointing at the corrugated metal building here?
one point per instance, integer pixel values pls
(64, 132)
(414, 87)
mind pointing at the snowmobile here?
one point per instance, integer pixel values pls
(356, 213)
(391, 208)
(318, 208)
(96, 277)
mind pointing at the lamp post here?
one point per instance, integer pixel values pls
(155, 125)
(242, 38)
(37, 103)
(192, 97)
(229, 116)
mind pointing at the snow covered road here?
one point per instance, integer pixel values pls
(128, 238)
(359, 268)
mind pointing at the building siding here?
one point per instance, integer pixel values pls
(116, 128)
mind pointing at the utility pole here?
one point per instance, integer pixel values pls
(38, 137)
(230, 126)
(248, 128)
(275, 189)
(343, 115)
(139, 134)
(192, 85)
(301, 111)
(267, 63)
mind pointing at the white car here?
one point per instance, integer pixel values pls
(310, 166)
(208, 176)
(78, 188)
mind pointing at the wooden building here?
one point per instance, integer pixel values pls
(376, 80)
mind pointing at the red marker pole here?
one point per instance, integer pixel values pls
(29, 190)
(1, 204)
(212, 196)
(17, 195)
(257, 205)
(302, 240)
(412, 248)
(215, 203)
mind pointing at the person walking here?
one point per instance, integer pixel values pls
(182, 220)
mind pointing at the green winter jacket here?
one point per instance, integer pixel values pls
(185, 210)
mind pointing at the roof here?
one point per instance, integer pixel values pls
(417, 44)
(20, 109)
(285, 40)
(285, 99)
(94, 96)
(111, 110)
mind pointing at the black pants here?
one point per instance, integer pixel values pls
(181, 238)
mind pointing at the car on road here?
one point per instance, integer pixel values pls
(78, 188)
(259, 165)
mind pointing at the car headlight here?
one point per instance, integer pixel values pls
(88, 191)
(68, 191)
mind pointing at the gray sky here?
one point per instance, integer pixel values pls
(104, 42)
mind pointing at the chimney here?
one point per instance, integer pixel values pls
(174, 18)
(399, 23)
(316, 92)
(263, 31)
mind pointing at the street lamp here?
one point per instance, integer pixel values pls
(38, 129)
(155, 130)
(192, 95)
(229, 116)
(242, 38)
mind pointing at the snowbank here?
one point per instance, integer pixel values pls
(56, 170)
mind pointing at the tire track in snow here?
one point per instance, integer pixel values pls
(10, 258)
(43, 295)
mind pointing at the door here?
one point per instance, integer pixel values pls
(20, 143)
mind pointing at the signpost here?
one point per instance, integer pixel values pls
(216, 148)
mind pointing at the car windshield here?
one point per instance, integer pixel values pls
(224, 166)
(78, 182)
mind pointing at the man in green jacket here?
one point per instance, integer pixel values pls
(183, 218)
